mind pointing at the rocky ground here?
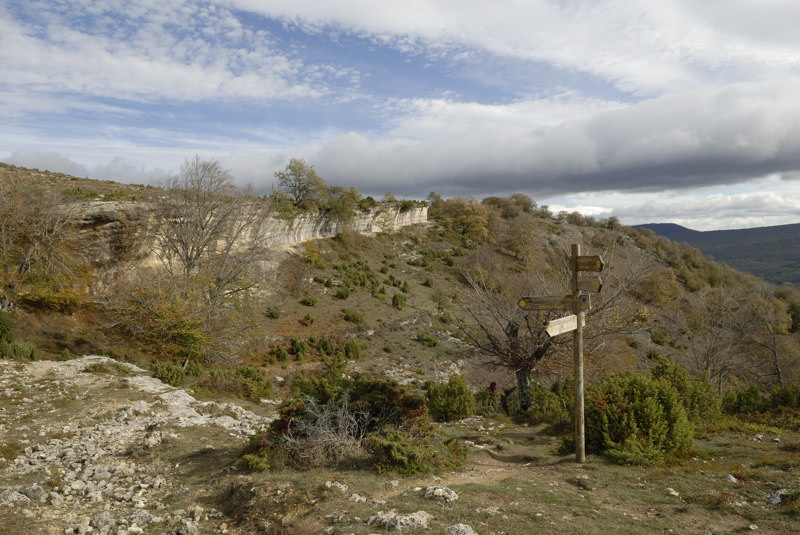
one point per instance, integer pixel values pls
(95, 446)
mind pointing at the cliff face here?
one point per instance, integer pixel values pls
(115, 234)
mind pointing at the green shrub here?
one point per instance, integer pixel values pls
(785, 397)
(194, 369)
(273, 313)
(697, 394)
(308, 301)
(245, 382)
(747, 401)
(398, 301)
(426, 340)
(352, 349)
(307, 320)
(6, 328)
(17, 350)
(298, 348)
(281, 354)
(395, 452)
(634, 419)
(254, 462)
(450, 401)
(65, 355)
(547, 406)
(342, 292)
(332, 413)
(169, 373)
(353, 316)
(428, 282)
(326, 346)
(487, 403)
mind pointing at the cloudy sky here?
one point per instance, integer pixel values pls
(679, 111)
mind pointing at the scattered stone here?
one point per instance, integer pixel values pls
(730, 479)
(460, 529)
(581, 481)
(187, 527)
(391, 521)
(336, 485)
(14, 497)
(35, 492)
(102, 523)
(441, 492)
(777, 498)
(673, 492)
(357, 498)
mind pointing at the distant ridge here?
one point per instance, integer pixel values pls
(772, 253)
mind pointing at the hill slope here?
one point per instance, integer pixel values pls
(771, 253)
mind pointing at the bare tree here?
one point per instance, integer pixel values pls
(210, 230)
(709, 326)
(34, 248)
(765, 325)
(497, 327)
(516, 339)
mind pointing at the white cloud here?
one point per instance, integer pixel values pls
(47, 161)
(643, 46)
(149, 52)
(684, 140)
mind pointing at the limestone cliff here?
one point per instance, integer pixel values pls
(115, 234)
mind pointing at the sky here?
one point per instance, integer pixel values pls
(650, 111)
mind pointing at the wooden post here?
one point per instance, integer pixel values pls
(580, 437)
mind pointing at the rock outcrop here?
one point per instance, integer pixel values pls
(114, 234)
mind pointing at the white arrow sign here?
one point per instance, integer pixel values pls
(562, 325)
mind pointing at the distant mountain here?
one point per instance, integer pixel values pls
(772, 253)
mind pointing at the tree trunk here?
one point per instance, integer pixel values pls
(523, 384)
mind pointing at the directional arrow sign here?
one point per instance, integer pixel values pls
(551, 302)
(562, 325)
(589, 283)
(546, 302)
(589, 263)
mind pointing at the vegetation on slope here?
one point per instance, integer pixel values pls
(413, 303)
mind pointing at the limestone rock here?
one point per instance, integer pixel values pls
(460, 529)
(391, 521)
(441, 492)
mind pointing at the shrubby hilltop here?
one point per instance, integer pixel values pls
(375, 346)
(766, 252)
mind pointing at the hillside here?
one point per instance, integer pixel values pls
(371, 330)
(771, 253)
(109, 448)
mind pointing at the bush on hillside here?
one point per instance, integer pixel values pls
(245, 382)
(17, 350)
(360, 420)
(450, 401)
(634, 419)
(548, 405)
(170, 373)
(698, 396)
(6, 328)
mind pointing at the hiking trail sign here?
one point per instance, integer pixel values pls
(579, 302)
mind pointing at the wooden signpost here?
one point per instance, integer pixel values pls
(562, 325)
(579, 303)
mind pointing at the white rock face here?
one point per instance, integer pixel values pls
(113, 234)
